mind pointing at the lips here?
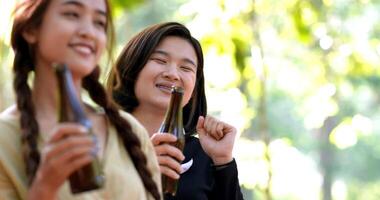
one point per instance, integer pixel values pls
(83, 48)
(165, 86)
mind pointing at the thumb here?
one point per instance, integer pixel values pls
(200, 123)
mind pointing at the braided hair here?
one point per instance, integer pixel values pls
(29, 15)
(130, 140)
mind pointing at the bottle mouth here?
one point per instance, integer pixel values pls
(177, 89)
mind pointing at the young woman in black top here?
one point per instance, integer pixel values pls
(155, 59)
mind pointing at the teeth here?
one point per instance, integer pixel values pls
(164, 87)
(83, 49)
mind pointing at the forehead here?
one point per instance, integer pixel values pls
(178, 46)
(96, 5)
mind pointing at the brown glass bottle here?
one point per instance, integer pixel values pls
(90, 176)
(173, 124)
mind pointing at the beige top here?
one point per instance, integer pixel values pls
(122, 179)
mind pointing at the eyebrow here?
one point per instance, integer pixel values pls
(187, 60)
(79, 4)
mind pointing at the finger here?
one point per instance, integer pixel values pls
(229, 129)
(200, 125)
(170, 163)
(76, 164)
(169, 172)
(80, 162)
(159, 138)
(219, 130)
(53, 150)
(208, 124)
(66, 129)
(170, 150)
(68, 161)
(211, 127)
(72, 152)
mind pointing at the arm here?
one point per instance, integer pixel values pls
(68, 149)
(59, 157)
(217, 139)
(226, 182)
(7, 189)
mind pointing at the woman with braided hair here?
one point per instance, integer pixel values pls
(38, 154)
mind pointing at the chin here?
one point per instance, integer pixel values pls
(163, 104)
(81, 69)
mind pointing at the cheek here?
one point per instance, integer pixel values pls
(51, 42)
(47, 51)
(141, 83)
(189, 89)
(138, 87)
(102, 44)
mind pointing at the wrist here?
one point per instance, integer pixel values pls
(222, 160)
(221, 167)
(40, 192)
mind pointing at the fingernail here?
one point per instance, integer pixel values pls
(83, 129)
(94, 152)
(96, 148)
(95, 140)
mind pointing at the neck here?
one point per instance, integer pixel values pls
(151, 119)
(44, 95)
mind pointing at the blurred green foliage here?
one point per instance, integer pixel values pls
(299, 79)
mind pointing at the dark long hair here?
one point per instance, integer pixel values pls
(123, 76)
(29, 15)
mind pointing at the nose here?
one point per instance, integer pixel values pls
(171, 73)
(87, 29)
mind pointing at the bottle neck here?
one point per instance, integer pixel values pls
(173, 116)
(69, 102)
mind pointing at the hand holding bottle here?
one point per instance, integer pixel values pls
(173, 125)
(217, 139)
(169, 157)
(68, 149)
(89, 177)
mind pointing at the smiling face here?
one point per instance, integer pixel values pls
(71, 32)
(173, 62)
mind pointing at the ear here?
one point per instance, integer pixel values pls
(30, 36)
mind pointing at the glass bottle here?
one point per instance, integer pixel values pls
(90, 176)
(173, 124)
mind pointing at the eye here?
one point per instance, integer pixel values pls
(71, 14)
(187, 68)
(101, 24)
(159, 60)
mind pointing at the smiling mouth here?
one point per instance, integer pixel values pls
(83, 49)
(164, 87)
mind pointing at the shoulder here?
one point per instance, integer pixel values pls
(9, 125)
(146, 146)
(136, 126)
(138, 129)
(127, 116)
(9, 114)
(11, 145)
(10, 139)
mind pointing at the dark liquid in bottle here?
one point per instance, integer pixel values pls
(89, 177)
(170, 185)
(173, 124)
